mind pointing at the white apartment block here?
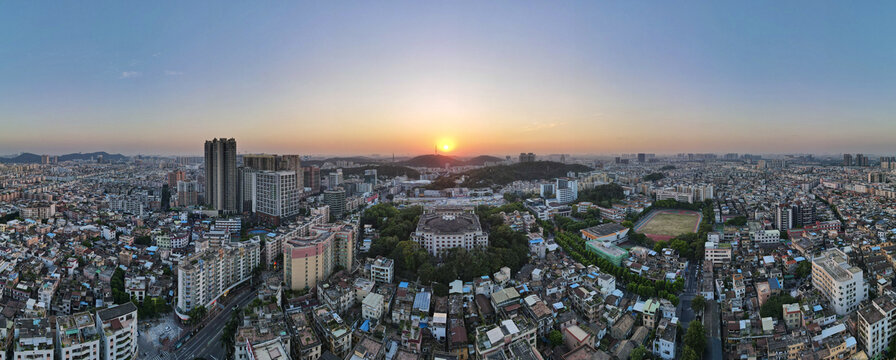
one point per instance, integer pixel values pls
(717, 253)
(765, 236)
(382, 270)
(567, 190)
(372, 306)
(203, 277)
(839, 281)
(877, 324)
(276, 194)
(77, 337)
(118, 336)
(34, 340)
(437, 232)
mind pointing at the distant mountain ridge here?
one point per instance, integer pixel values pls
(31, 158)
(505, 174)
(438, 161)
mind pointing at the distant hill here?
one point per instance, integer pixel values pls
(93, 155)
(483, 159)
(354, 159)
(432, 161)
(29, 158)
(505, 174)
(387, 170)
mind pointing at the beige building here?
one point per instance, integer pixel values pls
(793, 316)
(310, 259)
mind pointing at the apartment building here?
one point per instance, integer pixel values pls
(841, 283)
(382, 270)
(877, 324)
(77, 337)
(118, 336)
(308, 260)
(34, 339)
(203, 277)
(717, 253)
(443, 229)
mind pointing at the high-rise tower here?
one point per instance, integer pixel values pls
(221, 175)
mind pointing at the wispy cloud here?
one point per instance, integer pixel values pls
(129, 74)
(173, 73)
(535, 126)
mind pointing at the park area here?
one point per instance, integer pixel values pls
(662, 225)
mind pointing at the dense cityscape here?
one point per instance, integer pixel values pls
(447, 180)
(264, 256)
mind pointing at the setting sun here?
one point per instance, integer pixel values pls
(445, 145)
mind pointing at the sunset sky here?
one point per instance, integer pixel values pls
(335, 77)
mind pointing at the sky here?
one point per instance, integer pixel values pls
(482, 77)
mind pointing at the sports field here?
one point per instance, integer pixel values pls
(661, 225)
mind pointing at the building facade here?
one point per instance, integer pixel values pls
(221, 174)
(441, 229)
(841, 283)
(205, 276)
(118, 335)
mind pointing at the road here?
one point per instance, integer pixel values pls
(713, 325)
(207, 342)
(685, 312)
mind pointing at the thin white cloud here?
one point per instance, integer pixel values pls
(173, 73)
(541, 126)
(129, 74)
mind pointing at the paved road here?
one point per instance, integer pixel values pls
(207, 342)
(713, 326)
(685, 312)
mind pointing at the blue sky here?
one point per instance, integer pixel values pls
(490, 77)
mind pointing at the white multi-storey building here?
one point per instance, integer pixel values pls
(443, 229)
(276, 196)
(77, 337)
(382, 270)
(765, 236)
(118, 335)
(877, 324)
(839, 281)
(717, 253)
(34, 339)
(567, 190)
(203, 277)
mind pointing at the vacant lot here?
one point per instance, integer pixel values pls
(669, 223)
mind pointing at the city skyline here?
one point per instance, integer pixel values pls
(495, 78)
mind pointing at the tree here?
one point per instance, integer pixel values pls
(654, 177)
(803, 269)
(689, 354)
(699, 303)
(196, 314)
(144, 240)
(627, 224)
(695, 338)
(555, 337)
(773, 306)
(737, 221)
(638, 353)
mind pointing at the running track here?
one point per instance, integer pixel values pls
(658, 237)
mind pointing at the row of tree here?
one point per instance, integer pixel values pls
(694, 341)
(575, 247)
